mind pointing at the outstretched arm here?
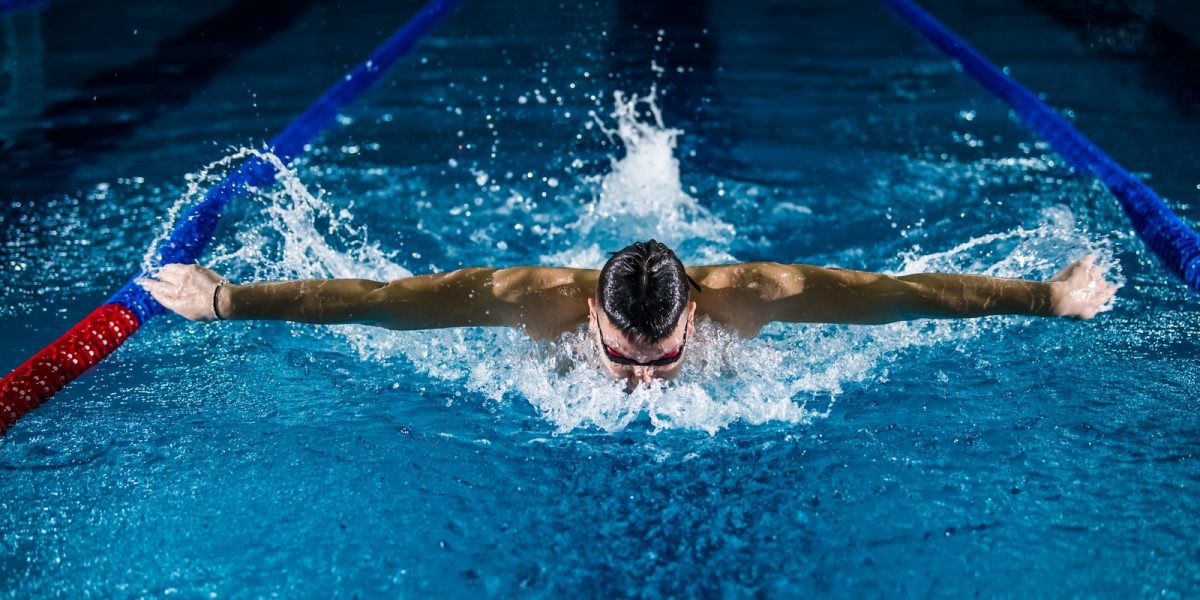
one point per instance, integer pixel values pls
(530, 297)
(768, 292)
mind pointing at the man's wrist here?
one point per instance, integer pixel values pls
(224, 302)
(1058, 298)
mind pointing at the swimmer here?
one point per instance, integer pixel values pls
(640, 307)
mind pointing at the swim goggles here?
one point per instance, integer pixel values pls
(621, 359)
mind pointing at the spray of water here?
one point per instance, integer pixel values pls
(642, 196)
(198, 184)
(791, 373)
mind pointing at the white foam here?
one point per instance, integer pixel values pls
(642, 196)
(198, 184)
(792, 373)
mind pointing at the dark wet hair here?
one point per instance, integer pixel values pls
(643, 289)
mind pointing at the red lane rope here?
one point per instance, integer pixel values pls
(76, 351)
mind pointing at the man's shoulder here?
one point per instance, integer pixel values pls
(762, 279)
(514, 282)
(545, 301)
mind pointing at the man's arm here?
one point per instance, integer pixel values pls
(751, 295)
(540, 299)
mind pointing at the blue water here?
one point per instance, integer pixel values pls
(1004, 456)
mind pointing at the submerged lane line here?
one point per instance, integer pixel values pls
(12, 5)
(1164, 232)
(107, 327)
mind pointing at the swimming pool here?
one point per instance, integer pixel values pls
(1002, 456)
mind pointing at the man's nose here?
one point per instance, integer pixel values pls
(643, 375)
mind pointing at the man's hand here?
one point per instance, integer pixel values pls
(185, 289)
(1080, 289)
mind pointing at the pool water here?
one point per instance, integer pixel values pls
(1002, 456)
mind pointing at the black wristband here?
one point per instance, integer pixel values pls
(217, 293)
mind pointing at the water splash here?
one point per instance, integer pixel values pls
(198, 185)
(642, 196)
(299, 235)
(1031, 253)
(791, 373)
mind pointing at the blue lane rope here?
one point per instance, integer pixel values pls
(194, 231)
(1163, 231)
(11, 5)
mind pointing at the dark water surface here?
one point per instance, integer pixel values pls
(1004, 456)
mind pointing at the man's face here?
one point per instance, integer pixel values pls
(633, 375)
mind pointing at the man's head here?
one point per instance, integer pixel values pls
(642, 312)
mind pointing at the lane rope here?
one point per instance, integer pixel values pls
(1164, 232)
(107, 327)
(14, 5)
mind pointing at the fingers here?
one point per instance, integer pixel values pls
(1099, 299)
(186, 289)
(1085, 268)
(1087, 273)
(168, 282)
(1097, 282)
(1106, 294)
(186, 274)
(1106, 299)
(164, 293)
(1072, 269)
(173, 274)
(157, 289)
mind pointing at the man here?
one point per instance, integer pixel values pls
(639, 306)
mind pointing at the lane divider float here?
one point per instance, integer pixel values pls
(107, 327)
(1164, 232)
